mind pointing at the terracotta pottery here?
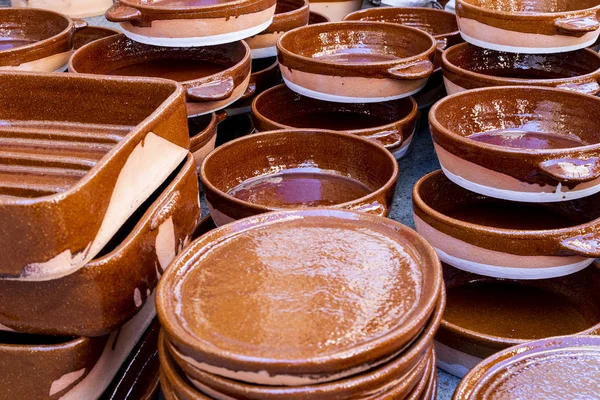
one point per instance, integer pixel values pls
(289, 14)
(485, 315)
(564, 367)
(335, 10)
(76, 171)
(425, 389)
(234, 127)
(91, 33)
(319, 274)
(529, 26)
(506, 239)
(317, 18)
(203, 134)
(346, 61)
(113, 287)
(36, 40)
(213, 77)
(191, 23)
(519, 143)
(297, 169)
(469, 67)
(391, 124)
(74, 9)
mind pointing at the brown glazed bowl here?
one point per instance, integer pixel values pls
(485, 315)
(213, 77)
(356, 61)
(177, 23)
(90, 34)
(529, 26)
(74, 9)
(506, 239)
(114, 286)
(203, 134)
(36, 40)
(319, 294)
(520, 143)
(468, 67)
(391, 124)
(297, 169)
(317, 18)
(562, 367)
(335, 10)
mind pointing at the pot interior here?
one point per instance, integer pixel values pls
(285, 6)
(89, 34)
(21, 27)
(534, 6)
(234, 127)
(198, 124)
(260, 64)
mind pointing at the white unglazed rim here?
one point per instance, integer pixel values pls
(264, 52)
(406, 146)
(452, 363)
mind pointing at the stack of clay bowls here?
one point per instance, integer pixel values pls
(302, 304)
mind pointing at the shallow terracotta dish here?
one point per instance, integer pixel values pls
(213, 77)
(203, 134)
(529, 26)
(391, 124)
(562, 367)
(113, 287)
(519, 143)
(36, 40)
(76, 171)
(506, 239)
(305, 338)
(485, 315)
(346, 61)
(317, 18)
(468, 67)
(91, 33)
(335, 10)
(191, 23)
(74, 9)
(297, 169)
(234, 127)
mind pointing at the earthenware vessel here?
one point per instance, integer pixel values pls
(76, 171)
(317, 18)
(506, 239)
(213, 77)
(345, 61)
(234, 127)
(529, 26)
(91, 33)
(74, 9)
(468, 67)
(296, 169)
(559, 367)
(439, 5)
(485, 315)
(188, 23)
(425, 389)
(203, 134)
(36, 40)
(376, 324)
(113, 287)
(335, 10)
(390, 124)
(519, 143)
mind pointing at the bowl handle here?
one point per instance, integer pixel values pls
(211, 91)
(79, 24)
(416, 70)
(122, 13)
(221, 116)
(572, 170)
(587, 245)
(376, 207)
(577, 26)
(166, 209)
(590, 86)
(251, 89)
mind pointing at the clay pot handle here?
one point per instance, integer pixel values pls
(376, 207)
(577, 25)
(121, 13)
(221, 116)
(165, 210)
(251, 89)
(572, 170)
(587, 245)
(442, 44)
(589, 87)
(211, 91)
(79, 24)
(417, 70)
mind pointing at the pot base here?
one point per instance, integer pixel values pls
(405, 148)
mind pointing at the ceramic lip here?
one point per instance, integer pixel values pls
(296, 17)
(106, 32)
(69, 344)
(523, 14)
(203, 136)
(226, 6)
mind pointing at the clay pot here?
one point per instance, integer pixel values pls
(90, 34)
(348, 325)
(174, 23)
(468, 67)
(317, 18)
(529, 26)
(234, 127)
(203, 134)
(36, 40)
(294, 169)
(391, 124)
(335, 10)
(74, 9)
(345, 61)
(505, 239)
(213, 77)
(519, 143)
(485, 315)
(78, 170)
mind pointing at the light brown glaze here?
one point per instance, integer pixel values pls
(91, 33)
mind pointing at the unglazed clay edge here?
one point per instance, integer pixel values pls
(401, 152)
(454, 361)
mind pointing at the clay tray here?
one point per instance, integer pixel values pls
(78, 155)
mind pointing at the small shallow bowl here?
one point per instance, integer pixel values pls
(90, 34)
(346, 62)
(468, 67)
(335, 10)
(203, 134)
(297, 169)
(74, 9)
(506, 239)
(213, 77)
(529, 26)
(519, 143)
(234, 127)
(180, 23)
(317, 18)
(391, 124)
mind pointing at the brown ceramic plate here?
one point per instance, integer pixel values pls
(203, 134)
(297, 169)
(391, 124)
(91, 33)
(76, 171)
(356, 61)
(303, 338)
(563, 367)
(74, 9)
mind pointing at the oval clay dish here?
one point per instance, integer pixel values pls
(275, 309)
(74, 9)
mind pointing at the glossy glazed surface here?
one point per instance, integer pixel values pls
(531, 6)
(178, 70)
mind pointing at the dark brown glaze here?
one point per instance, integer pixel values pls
(387, 123)
(528, 229)
(91, 33)
(560, 367)
(300, 332)
(289, 151)
(203, 128)
(86, 122)
(265, 74)
(472, 67)
(234, 127)
(317, 18)
(289, 14)
(105, 289)
(30, 364)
